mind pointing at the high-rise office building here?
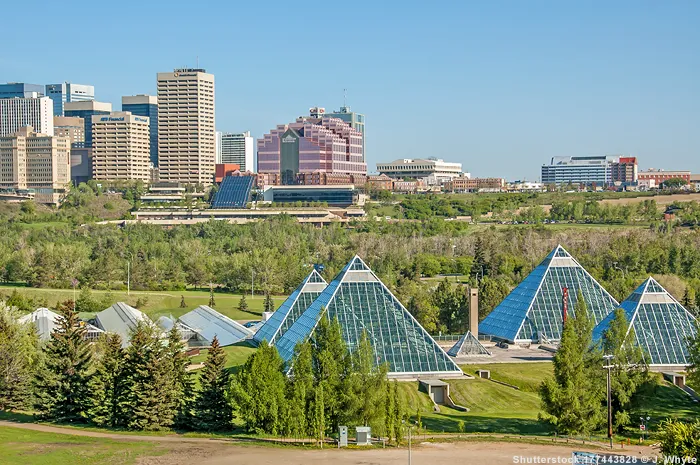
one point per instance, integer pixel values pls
(37, 162)
(145, 105)
(355, 120)
(311, 145)
(86, 110)
(121, 147)
(16, 113)
(68, 92)
(580, 170)
(186, 126)
(238, 148)
(71, 127)
(21, 90)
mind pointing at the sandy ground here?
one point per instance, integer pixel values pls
(203, 451)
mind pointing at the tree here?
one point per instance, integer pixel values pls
(398, 414)
(680, 440)
(147, 396)
(181, 385)
(63, 386)
(389, 411)
(212, 303)
(480, 268)
(259, 391)
(572, 400)
(243, 304)
(212, 410)
(630, 369)
(689, 299)
(108, 385)
(19, 358)
(694, 357)
(182, 302)
(330, 361)
(300, 391)
(86, 303)
(269, 304)
(365, 386)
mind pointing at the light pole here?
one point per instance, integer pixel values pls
(409, 426)
(608, 359)
(644, 421)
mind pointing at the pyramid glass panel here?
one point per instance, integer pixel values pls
(285, 316)
(361, 302)
(533, 310)
(468, 345)
(662, 326)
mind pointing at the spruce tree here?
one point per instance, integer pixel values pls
(269, 304)
(572, 400)
(19, 357)
(300, 391)
(630, 369)
(63, 384)
(331, 366)
(212, 410)
(108, 385)
(694, 356)
(182, 386)
(212, 302)
(147, 385)
(243, 304)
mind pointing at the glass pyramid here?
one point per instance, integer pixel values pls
(468, 345)
(285, 316)
(661, 324)
(533, 310)
(361, 302)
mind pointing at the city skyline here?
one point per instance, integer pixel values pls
(518, 84)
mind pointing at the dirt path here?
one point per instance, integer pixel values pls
(208, 451)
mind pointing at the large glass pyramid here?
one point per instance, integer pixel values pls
(533, 310)
(285, 316)
(661, 325)
(361, 302)
(468, 345)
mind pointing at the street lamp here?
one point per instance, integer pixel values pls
(409, 426)
(608, 359)
(644, 421)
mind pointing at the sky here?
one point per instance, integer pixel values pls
(500, 86)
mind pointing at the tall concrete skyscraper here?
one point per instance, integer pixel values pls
(17, 113)
(186, 126)
(145, 105)
(68, 92)
(238, 148)
(120, 147)
(87, 110)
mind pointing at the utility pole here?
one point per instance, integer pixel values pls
(128, 277)
(608, 359)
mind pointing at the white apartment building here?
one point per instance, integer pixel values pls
(36, 162)
(238, 148)
(121, 147)
(17, 113)
(186, 126)
(419, 168)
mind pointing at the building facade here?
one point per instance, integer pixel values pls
(36, 162)
(238, 148)
(21, 90)
(66, 92)
(311, 145)
(659, 176)
(145, 105)
(86, 110)
(121, 147)
(17, 113)
(625, 170)
(579, 170)
(186, 126)
(466, 184)
(355, 120)
(419, 168)
(71, 127)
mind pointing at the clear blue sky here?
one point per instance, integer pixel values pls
(500, 86)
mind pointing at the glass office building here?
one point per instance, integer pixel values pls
(660, 325)
(291, 309)
(87, 110)
(362, 303)
(145, 105)
(533, 311)
(21, 90)
(68, 92)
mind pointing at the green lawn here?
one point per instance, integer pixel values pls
(160, 302)
(24, 447)
(236, 355)
(662, 400)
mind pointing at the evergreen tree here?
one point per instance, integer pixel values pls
(572, 400)
(480, 267)
(330, 361)
(259, 391)
(63, 384)
(365, 387)
(389, 411)
(182, 387)
(182, 302)
(243, 304)
(694, 356)
(147, 384)
(108, 385)
(689, 300)
(212, 303)
(300, 391)
(19, 357)
(319, 415)
(398, 414)
(630, 369)
(212, 410)
(269, 304)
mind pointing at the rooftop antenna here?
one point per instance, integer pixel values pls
(198, 61)
(345, 97)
